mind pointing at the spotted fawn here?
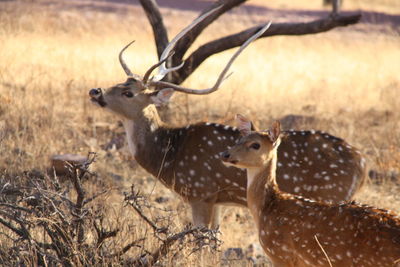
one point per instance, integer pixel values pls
(295, 231)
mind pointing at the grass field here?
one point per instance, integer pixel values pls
(53, 52)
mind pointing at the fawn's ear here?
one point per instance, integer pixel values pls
(162, 97)
(243, 124)
(274, 132)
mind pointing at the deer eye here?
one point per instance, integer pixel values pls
(255, 146)
(127, 94)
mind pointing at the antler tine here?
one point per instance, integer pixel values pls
(122, 61)
(221, 77)
(163, 70)
(149, 71)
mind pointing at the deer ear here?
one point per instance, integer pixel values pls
(243, 124)
(275, 131)
(162, 97)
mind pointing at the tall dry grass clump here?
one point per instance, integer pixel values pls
(53, 52)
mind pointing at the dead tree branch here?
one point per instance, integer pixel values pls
(201, 237)
(193, 61)
(49, 225)
(152, 11)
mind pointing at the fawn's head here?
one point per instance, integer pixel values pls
(255, 148)
(131, 97)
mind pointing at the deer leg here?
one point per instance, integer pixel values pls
(202, 212)
(216, 215)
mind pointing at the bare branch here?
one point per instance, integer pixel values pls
(90, 199)
(133, 200)
(22, 231)
(163, 69)
(103, 234)
(13, 206)
(184, 44)
(199, 234)
(127, 248)
(157, 24)
(201, 237)
(234, 40)
(19, 232)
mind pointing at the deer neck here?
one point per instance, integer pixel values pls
(261, 186)
(143, 135)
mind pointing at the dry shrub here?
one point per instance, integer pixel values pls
(46, 223)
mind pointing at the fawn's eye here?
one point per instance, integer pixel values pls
(127, 94)
(255, 146)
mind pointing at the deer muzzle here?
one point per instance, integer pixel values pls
(226, 158)
(96, 95)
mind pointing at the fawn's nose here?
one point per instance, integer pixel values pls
(225, 155)
(95, 92)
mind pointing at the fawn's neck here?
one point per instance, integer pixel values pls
(261, 186)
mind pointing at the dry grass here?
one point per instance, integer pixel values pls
(53, 52)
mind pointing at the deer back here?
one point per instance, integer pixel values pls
(295, 230)
(319, 166)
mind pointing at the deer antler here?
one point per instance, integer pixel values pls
(163, 70)
(167, 53)
(123, 63)
(221, 77)
(150, 70)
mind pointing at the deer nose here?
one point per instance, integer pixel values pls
(95, 92)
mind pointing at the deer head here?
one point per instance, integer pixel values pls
(254, 149)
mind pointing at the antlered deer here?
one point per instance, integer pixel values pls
(187, 161)
(295, 231)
